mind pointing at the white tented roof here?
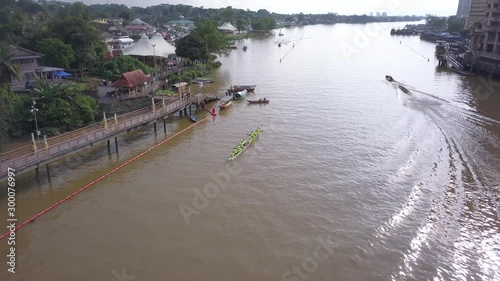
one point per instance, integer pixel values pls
(227, 26)
(143, 48)
(162, 47)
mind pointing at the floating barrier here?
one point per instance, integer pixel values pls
(31, 219)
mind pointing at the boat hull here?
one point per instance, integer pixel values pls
(226, 105)
(257, 102)
(194, 118)
(238, 88)
(240, 95)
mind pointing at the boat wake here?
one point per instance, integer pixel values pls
(453, 205)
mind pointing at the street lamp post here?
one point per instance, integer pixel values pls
(154, 55)
(34, 110)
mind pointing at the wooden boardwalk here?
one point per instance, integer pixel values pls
(25, 158)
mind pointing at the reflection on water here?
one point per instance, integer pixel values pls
(351, 178)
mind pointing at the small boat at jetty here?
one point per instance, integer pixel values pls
(194, 118)
(258, 101)
(244, 144)
(245, 48)
(237, 88)
(405, 90)
(225, 102)
(240, 95)
(389, 78)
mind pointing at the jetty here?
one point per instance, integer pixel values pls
(40, 153)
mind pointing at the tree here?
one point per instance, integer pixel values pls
(8, 70)
(240, 24)
(118, 65)
(265, 24)
(56, 52)
(228, 14)
(208, 32)
(192, 47)
(62, 108)
(455, 24)
(83, 37)
(301, 17)
(436, 23)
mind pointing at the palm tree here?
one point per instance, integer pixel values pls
(8, 70)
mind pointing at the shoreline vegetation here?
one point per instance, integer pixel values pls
(48, 28)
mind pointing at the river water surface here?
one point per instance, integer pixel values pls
(352, 179)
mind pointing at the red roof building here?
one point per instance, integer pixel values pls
(131, 80)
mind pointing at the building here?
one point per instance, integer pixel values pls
(139, 27)
(227, 27)
(485, 40)
(182, 22)
(463, 8)
(27, 61)
(477, 13)
(384, 14)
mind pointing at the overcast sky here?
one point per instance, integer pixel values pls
(344, 7)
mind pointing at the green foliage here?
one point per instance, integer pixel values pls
(240, 24)
(192, 47)
(83, 37)
(436, 23)
(62, 108)
(455, 24)
(18, 113)
(208, 31)
(115, 67)
(263, 24)
(56, 53)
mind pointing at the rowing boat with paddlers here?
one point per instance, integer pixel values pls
(245, 144)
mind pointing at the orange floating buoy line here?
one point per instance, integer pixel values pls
(31, 219)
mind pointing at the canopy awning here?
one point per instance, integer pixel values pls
(61, 73)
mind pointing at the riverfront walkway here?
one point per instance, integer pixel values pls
(28, 157)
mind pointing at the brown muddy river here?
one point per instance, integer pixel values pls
(352, 179)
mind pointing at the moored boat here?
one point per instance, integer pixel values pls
(194, 118)
(258, 101)
(239, 95)
(389, 78)
(237, 88)
(225, 102)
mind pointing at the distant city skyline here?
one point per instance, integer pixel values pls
(343, 7)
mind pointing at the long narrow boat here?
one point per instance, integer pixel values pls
(194, 118)
(257, 101)
(240, 94)
(247, 144)
(237, 88)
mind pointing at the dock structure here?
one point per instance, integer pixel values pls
(35, 156)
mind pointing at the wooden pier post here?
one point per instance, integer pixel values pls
(109, 146)
(116, 144)
(37, 172)
(116, 122)
(164, 126)
(154, 125)
(164, 106)
(105, 121)
(48, 172)
(153, 107)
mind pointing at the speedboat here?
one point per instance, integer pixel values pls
(389, 78)
(240, 95)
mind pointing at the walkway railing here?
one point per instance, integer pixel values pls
(24, 157)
